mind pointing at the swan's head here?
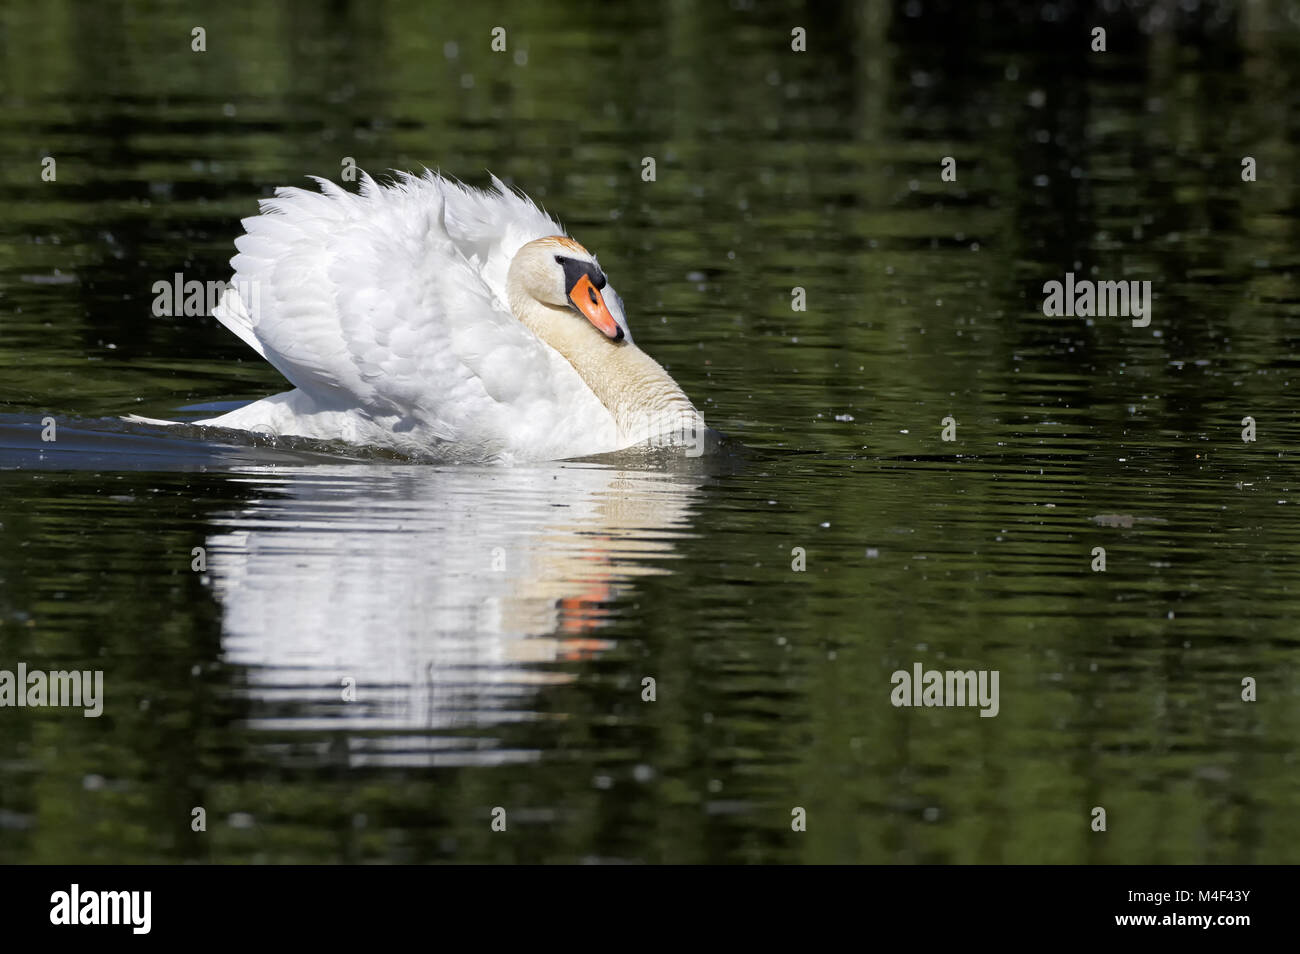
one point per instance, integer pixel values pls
(557, 271)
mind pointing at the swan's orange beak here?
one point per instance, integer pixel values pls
(587, 299)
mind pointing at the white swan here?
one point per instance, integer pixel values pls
(431, 318)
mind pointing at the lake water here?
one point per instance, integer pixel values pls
(367, 657)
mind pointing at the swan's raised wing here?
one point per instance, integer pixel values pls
(392, 302)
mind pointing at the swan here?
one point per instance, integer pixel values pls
(432, 318)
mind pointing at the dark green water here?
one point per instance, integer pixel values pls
(498, 623)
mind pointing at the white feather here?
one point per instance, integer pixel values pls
(387, 310)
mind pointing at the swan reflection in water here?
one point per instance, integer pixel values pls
(448, 596)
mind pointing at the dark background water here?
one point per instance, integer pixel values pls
(499, 622)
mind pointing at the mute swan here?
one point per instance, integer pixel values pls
(432, 318)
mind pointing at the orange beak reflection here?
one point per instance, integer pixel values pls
(587, 299)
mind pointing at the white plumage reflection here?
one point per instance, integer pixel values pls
(449, 595)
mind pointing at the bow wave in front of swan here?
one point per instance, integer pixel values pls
(434, 319)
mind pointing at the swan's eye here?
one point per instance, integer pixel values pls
(559, 259)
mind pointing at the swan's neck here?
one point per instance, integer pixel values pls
(640, 395)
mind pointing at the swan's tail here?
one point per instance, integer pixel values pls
(137, 419)
(233, 312)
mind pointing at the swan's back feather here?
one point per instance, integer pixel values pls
(392, 302)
